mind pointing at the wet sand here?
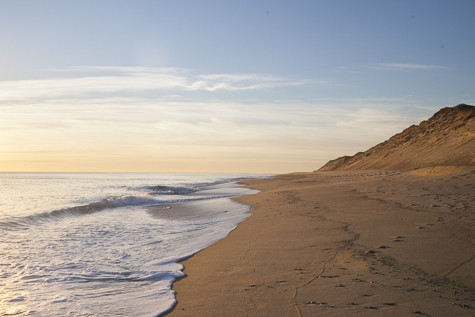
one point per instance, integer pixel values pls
(368, 243)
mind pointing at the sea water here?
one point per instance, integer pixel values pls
(106, 244)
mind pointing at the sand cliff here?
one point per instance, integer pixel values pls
(446, 139)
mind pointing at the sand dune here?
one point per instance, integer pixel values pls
(446, 139)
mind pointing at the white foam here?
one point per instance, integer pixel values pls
(120, 260)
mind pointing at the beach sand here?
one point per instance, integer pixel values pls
(371, 243)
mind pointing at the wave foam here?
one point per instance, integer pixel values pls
(19, 223)
(171, 190)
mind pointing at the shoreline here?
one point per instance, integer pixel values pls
(341, 243)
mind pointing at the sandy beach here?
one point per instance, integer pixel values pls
(371, 243)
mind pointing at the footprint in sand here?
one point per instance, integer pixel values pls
(398, 239)
(372, 307)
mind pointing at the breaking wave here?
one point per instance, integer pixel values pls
(106, 203)
(171, 190)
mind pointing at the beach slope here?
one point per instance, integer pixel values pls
(380, 240)
(342, 244)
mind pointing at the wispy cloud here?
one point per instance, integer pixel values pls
(100, 113)
(402, 66)
(209, 122)
(237, 82)
(375, 120)
(83, 81)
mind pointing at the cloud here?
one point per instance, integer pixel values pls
(374, 119)
(82, 82)
(237, 82)
(109, 112)
(421, 67)
(210, 122)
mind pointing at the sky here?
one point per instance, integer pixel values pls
(222, 86)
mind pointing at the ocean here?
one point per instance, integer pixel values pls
(80, 244)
